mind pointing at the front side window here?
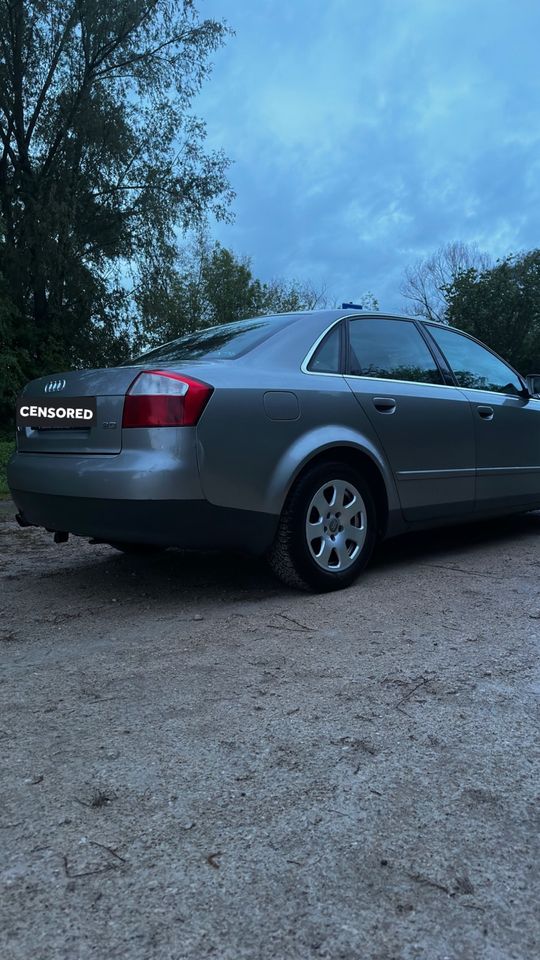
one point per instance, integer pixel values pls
(474, 366)
(391, 350)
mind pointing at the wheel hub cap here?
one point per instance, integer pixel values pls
(336, 525)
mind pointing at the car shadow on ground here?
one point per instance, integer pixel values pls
(78, 570)
(189, 577)
(445, 542)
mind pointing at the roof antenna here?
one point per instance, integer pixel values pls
(351, 306)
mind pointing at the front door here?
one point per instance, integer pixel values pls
(507, 423)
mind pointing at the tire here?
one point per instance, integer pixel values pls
(138, 549)
(302, 559)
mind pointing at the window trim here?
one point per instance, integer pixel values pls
(462, 333)
(444, 366)
(417, 383)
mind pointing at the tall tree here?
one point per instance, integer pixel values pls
(501, 306)
(11, 372)
(211, 285)
(101, 162)
(425, 282)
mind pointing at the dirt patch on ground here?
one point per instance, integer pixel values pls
(199, 763)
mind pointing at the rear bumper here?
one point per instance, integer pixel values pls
(158, 465)
(149, 493)
(190, 524)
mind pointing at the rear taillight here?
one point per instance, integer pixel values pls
(157, 398)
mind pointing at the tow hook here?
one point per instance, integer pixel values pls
(60, 536)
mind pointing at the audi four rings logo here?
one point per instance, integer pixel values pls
(54, 386)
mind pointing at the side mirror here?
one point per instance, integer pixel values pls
(533, 384)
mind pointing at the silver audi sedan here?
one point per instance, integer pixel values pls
(304, 437)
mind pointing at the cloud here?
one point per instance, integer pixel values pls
(365, 135)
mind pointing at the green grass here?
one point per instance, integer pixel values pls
(6, 449)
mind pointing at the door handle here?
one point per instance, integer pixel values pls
(384, 404)
(485, 412)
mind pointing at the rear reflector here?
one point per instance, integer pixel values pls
(157, 398)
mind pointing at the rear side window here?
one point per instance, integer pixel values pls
(474, 366)
(326, 358)
(391, 350)
(226, 342)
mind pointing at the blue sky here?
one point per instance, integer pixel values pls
(366, 133)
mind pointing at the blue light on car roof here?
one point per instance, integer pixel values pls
(351, 306)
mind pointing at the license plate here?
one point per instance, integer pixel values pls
(70, 413)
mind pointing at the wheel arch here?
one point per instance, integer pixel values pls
(348, 450)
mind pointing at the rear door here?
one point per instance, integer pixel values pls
(424, 424)
(506, 419)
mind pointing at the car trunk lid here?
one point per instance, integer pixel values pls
(108, 388)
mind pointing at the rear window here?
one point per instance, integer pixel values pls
(226, 342)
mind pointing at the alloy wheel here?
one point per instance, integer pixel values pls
(336, 525)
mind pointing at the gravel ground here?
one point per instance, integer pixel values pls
(197, 762)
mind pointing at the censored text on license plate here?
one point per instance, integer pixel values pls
(78, 412)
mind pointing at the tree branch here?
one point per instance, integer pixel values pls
(6, 140)
(90, 75)
(145, 55)
(50, 75)
(17, 33)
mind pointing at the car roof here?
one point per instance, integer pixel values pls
(337, 314)
(334, 313)
(344, 313)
